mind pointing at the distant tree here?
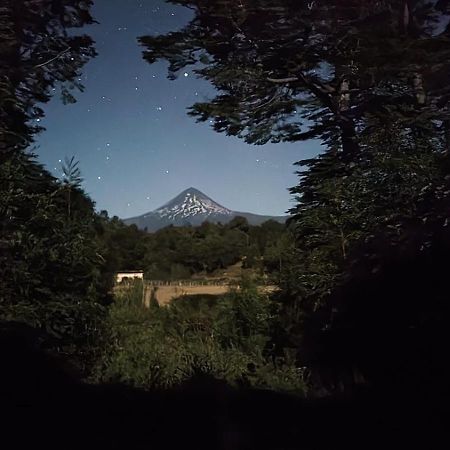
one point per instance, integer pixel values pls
(267, 233)
(241, 224)
(279, 253)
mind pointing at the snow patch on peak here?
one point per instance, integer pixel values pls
(192, 203)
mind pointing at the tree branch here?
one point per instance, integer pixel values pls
(53, 59)
(282, 80)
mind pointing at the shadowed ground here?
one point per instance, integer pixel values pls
(46, 407)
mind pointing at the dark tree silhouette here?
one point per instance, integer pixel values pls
(37, 54)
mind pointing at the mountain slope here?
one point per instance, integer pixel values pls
(191, 208)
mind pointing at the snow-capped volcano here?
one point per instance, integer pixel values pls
(189, 203)
(192, 208)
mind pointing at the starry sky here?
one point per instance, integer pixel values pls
(136, 145)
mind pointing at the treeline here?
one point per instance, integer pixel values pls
(174, 253)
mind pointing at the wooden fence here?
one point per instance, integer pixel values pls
(165, 291)
(188, 283)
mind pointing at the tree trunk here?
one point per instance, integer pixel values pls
(446, 126)
(350, 146)
(419, 89)
(68, 203)
(343, 245)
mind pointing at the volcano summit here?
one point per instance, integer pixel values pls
(191, 208)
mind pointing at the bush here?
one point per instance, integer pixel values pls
(226, 337)
(51, 269)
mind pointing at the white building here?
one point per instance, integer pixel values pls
(130, 275)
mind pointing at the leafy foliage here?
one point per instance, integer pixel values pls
(52, 272)
(313, 70)
(175, 253)
(37, 55)
(226, 337)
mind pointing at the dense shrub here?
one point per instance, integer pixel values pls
(226, 337)
(51, 268)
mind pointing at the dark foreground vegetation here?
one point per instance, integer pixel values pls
(351, 352)
(228, 337)
(398, 399)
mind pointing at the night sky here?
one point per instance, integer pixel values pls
(137, 147)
